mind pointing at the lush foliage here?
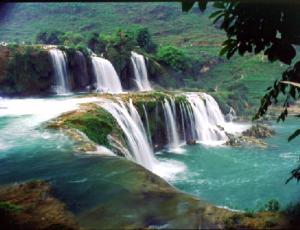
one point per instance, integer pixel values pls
(144, 40)
(49, 37)
(174, 57)
(28, 71)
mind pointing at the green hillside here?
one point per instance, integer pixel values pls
(193, 32)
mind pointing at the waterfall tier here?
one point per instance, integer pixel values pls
(131, 124)
(59, 61)
(143, 123)
(171, 126)
(140, 72)
(107, 79)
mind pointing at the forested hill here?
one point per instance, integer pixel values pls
(240, 80)
(24, 20)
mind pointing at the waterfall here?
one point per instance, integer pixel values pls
(81, 75)
(147, 124)
(59, 61)
(131, 124)
(206, 118)
(140, 72)
(107, 80)
(182, 121)
(171, 124)
(231, 115)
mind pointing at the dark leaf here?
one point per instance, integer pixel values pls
(295, 134)
(202, 5)
(224, 50)
(187, 5)
(218, 18)
(216, 13)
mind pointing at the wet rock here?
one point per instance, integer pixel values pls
(233, 140)
(259, 131)
(251, 137)
(191, 142)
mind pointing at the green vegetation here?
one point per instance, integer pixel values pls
(28, 71)
(144, 40)
(6, 206)
(97, 124)
(94, 25)
(174, 57)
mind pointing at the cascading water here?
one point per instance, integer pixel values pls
(140, 72)
(147, 124)
(132, 126)
(107, 79)
(81, 77)
(171, 124)
(206, 117)
(59, 61)
(141, 151)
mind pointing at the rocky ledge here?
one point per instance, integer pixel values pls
(251, 136)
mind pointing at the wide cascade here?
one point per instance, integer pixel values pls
(131, 124)
(140, 72)
(204, 117)
(196, 117)
(107, 79)
(59, 61)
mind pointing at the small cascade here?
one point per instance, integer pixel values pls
(107, 79)
(140, 72)
(182, 121)
(206, 116)
(171, 124)
(147, 125)
(81, 74)
(59, 61)
(130, 122)
(231, 116)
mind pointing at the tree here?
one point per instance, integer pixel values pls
(144, 40)
(71, 39)
(49, 37)
(95, 43)
(174, 57)
(260, 27)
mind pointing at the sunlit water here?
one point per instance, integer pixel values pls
(234, 177)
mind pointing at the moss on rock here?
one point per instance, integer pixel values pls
(28, 71)
(95, 122)
(31, 206)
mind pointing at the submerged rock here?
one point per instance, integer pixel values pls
(32, 206)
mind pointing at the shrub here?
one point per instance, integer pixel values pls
(173, 57)
(144, 40)
(49, 37)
